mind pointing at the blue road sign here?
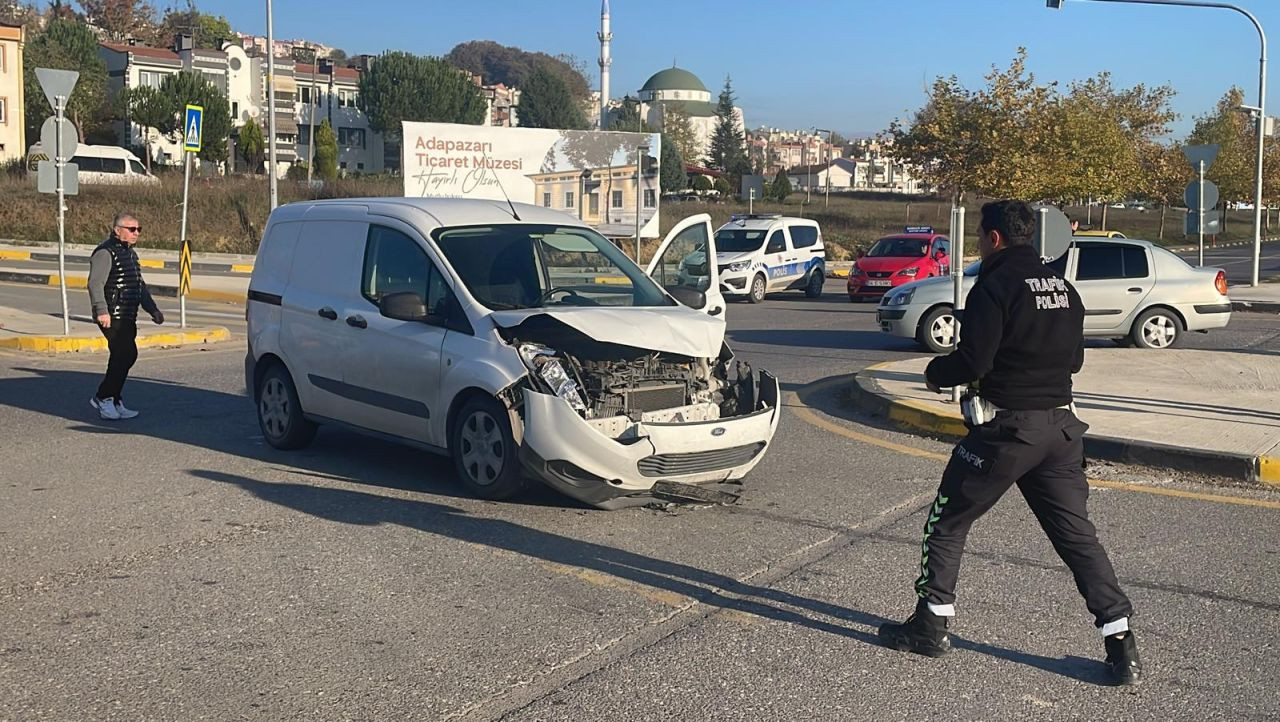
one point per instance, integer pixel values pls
(192, 127)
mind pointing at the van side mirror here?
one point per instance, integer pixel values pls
(689, 296)
(404, 306)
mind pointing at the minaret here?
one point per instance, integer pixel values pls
(605, 61)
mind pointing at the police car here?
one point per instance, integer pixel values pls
(758, 254)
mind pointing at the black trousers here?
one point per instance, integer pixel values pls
(1043, 453)
(122, 342)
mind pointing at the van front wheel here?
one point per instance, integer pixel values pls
(757, 289)
(814, 289)
(484, 450)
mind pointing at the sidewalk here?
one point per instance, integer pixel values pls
(222, 289)
(1210, 412)
(24, 331)
(77, 254)
(1265, 298)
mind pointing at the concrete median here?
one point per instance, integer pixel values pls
(1161, 418)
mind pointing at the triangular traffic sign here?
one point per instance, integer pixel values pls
(193, 132)
(1197, 153)
(56, 83)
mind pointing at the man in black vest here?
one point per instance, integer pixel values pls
(1022, 339)
(116, 290)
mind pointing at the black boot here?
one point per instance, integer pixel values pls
(1122, 658)
(923, 633)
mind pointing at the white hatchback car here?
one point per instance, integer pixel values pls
(1133, 291)
(510, 337)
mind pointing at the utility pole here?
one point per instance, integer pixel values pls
(273, 183)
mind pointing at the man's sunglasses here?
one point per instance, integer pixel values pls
(131, 229)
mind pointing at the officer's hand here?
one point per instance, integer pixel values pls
(932, 386)
(158, 317)
(104, 320)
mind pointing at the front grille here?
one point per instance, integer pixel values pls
(698, 462)
(654, 398)
(724, 270)
(879, 274)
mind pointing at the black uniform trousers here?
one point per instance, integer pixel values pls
(1043, 453)
(122, 342)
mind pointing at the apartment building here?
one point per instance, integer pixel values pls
(327, 92)
(13, 142)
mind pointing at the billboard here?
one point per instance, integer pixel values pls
(586, 173)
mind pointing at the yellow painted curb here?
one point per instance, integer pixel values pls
(614, 280)
(72, 281)
(151, 263)
(15, 255)
(1269, 469)
(242, 268)
(840, 273)
(62, 344)
(909, 414)
(219, 296)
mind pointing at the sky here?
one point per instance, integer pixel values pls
(850, 65)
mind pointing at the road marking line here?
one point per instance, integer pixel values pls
(807, 414)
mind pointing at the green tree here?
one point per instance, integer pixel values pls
(512, 66)
(728, 145)
(677, 124)
(780, 188)
(722, 187)
(672, 176)
(702, 183)
(545, 102)
(120, 19)
(148, 108)
(1165, 173)
(402, 86)
(206, 31)
(193, 88)
(626, 117)
(338, 56)
(252, 145)
(66, 45)
(326, 152)
(1233, 169)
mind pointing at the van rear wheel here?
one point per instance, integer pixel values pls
(484, 450)
(280, 414)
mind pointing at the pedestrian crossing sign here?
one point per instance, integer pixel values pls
(192, 128)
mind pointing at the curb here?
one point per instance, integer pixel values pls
(1256, 306)
(157, 263)
(869, 397)
(65, 344)
(1207, 247)
(51, 279)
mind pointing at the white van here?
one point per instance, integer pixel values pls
(98, 165)
(511, 337)
(761, 253)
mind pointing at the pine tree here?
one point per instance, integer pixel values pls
(728, 145)
(326, 152)
(672, 176)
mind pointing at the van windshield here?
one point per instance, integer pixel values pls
(898, 247)
(738, 240)
(534, 266)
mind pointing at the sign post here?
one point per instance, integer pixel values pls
(956, 259)
(58, 137)
(192, 126)
(1201, 194)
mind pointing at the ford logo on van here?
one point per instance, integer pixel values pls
(718, 431)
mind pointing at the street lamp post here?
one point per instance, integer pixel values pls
(1262, 103)
(641, 151)
(582, 193)
(827, 201)
(311, 118)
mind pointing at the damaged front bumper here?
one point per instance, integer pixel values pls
(616, 462)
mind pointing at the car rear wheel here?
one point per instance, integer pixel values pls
(814, 289)
(484, 451)
(757, 289)
(1157, 328)
(937, 331)
(279, 413)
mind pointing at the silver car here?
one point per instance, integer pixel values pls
(1134, 291)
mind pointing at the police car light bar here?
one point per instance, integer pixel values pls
(919, 229)
(751, 216)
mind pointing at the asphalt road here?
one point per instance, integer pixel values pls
(1237, 261)
(176, 567)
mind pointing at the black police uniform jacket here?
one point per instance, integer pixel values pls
(1022, 335)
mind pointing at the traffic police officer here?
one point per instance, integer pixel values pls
(1022, 341)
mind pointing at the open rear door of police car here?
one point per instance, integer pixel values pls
(686, 261)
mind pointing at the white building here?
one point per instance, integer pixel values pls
(13, 142)
(133, 66)
(333, 97)
(839, 175)
(679, 88)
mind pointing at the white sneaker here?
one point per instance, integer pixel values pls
(125, 413)
(106, 408)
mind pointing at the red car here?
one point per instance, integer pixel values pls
(902, 258)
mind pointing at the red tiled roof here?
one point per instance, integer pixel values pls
(142, 50)
(301, 69)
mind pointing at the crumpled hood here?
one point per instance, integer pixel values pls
(670, 329)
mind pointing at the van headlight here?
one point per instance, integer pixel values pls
(901, 298)
(547, 367)
(739, 266)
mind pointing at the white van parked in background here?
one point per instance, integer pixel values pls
(761, 253)
(99, 165)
